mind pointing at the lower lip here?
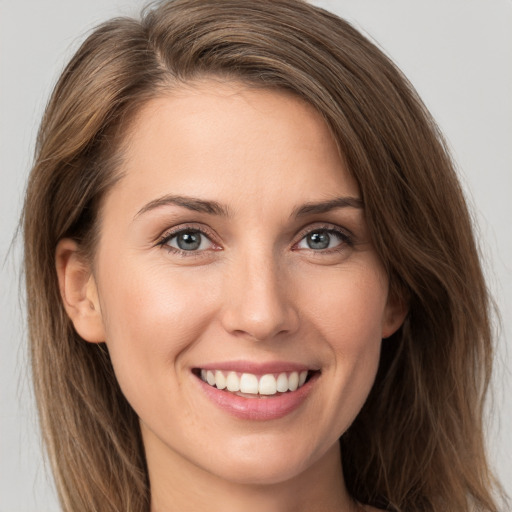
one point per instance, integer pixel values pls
(259, 409)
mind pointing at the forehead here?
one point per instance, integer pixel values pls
(230, 142)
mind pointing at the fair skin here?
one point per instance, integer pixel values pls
(235, 241)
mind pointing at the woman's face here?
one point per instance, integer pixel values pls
(234, 250)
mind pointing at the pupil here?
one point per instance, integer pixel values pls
(318, 240)
(189, 241)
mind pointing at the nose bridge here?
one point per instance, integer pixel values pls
(259, 300)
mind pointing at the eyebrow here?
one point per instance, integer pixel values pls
(191, 203)
(327, 206)
(215, 208)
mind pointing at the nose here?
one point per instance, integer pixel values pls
(259, 302)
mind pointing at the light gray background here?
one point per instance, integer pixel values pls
(457, 53)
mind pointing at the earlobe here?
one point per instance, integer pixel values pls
(394, 316)
(78, 291)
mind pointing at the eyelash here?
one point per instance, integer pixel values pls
(169, 235)
(345, 237)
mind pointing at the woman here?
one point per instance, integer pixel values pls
(251, 273)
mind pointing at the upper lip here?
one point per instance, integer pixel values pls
(256, 368)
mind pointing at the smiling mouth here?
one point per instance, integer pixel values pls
(249, 385)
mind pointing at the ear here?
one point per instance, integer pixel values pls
(78, 291)
(394, 315)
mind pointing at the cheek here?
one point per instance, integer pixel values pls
(349, 307)
(349, 315)
(151, 316)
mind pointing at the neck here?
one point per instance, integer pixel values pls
(178, 485)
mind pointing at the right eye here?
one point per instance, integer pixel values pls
(187, 240)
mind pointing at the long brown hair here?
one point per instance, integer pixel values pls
(417, 445)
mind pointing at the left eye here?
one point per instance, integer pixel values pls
(321, 239)
(189, 240)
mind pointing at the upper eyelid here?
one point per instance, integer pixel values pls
(172, 232)
(327, 226)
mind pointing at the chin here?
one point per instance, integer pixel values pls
(270, 461)
(260, 472)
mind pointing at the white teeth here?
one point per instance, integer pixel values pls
(250, 384)
(267, 385)
(282, 383)
(210, 378)
(233, 382)
(293, 381)
(220, 380)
